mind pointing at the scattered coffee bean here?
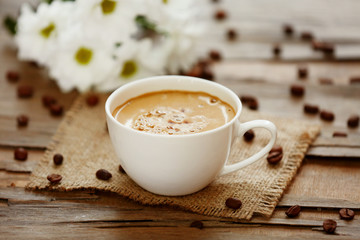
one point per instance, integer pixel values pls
(233, 203)
(324, 47)
(25, 91)
(307, 36)
(339, 134)
(293, 211)
(103, 174)
(276, 50)
(275, 155)
(197, 224)
(353, 121)
(12, 184)
(48, 100)
(346, 214)
(56, 109)
(249, 101)
(326, 81)
(220, 15)
(215, 55)
(215, 1)
(121, 169)
(297, 90)
(288, 29)
(22, 120)
(231, 34)
(311, 109)
(327, 116)
(355, 80)
(54, 178)
(92, 100)
(20, 154)
(329, 226)
(249, 135)
(12, 76)
(302, 72)
(58, 159)
(201, 70)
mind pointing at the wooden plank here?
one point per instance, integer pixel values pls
(315, 202)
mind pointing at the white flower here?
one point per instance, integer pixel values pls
(134, 60)
(37, 32)
(106, 43)
(80, 61)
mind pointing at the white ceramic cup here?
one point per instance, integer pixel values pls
(179, 164)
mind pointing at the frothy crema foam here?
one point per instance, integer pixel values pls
(174, 112)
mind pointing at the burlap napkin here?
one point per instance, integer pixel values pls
(83, 140)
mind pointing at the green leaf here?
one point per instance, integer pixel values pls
(10, 24)
(144, 23)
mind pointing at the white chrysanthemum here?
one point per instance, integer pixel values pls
(183, 26)
(134, 60)
(109, 21)
(80, 61)
(37, 32)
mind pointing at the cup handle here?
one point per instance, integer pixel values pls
(243, 127)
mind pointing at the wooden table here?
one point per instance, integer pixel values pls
(327, 181)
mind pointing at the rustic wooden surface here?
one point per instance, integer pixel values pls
(328, 180)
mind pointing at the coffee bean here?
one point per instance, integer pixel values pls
(12, 76)
(288, 29)
(353, 121)
(327, 116)
(92, 100)
(220, 15)
(346, 214)
(233, 203)
(276, 50)
(121, 169)
(215, 1)
(355, 80)
(306, 36)
(326, 81)
(249, 101)
(297, 90)
(54, 178)
(22, 120)
(48, 100)
(311, 109)
(302, 72)
(197, 224)
(231, 34)
(103, 174)
(274, 157)
(215, 55)
(293, 211)
(339, 134)
(58, 159)
(20, 154)
(56, 109)
(25, 91)
(249, 135)
(324, 47)
(329, 226)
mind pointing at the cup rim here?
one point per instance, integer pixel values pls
(154, 78)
